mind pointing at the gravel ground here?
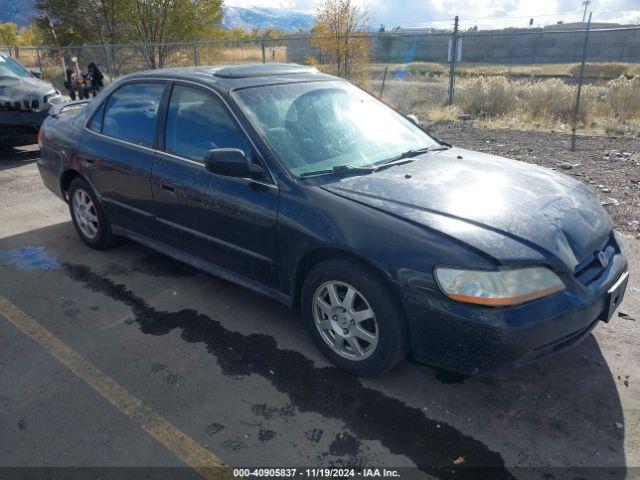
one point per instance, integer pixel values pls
(609, 164)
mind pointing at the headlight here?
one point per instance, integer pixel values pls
(498, 288)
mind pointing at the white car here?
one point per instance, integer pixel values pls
(24, 102)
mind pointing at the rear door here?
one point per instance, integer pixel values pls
(230, 222)
(117, 153)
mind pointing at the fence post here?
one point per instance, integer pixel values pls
(39, 61)
(577, 107)
(452, 63)
(264, 54)
(384, 80)
(195, 54)
(105, 51)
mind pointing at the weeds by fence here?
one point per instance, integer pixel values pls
(531, 74)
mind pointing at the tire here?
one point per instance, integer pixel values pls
(88, 216)
(374, 309)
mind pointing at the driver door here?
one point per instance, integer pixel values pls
(229, 222)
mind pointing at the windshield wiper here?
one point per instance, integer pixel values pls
(410, 154)
(339, 169)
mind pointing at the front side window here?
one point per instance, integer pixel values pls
(198, 122)
(130, 113)
(319, 125)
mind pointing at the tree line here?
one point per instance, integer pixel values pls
(155, 23)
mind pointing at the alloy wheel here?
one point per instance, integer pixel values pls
(85, 213)
(345, 320)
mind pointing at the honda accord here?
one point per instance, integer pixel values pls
(303, 187)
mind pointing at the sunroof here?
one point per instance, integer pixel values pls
(261, 70)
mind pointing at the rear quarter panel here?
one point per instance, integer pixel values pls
(58, 152)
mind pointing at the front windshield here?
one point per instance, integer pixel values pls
(10, 68)
(319, 125)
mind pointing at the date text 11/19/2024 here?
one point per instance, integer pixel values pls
(316, 472)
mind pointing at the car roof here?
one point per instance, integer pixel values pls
(240, 76)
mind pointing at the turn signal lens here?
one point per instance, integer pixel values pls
(39, 138)
(498, 288)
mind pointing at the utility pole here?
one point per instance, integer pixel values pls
(577, 107)
(452, 67)
(586, 4)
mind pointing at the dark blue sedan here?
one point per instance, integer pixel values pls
(302, 187)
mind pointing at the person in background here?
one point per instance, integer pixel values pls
(97, 78)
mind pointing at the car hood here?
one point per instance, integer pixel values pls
(509, 210)
(14, 89)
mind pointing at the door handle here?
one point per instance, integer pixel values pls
(168, 188)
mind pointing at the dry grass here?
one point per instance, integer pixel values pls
(492, 96)
(500, 102)
(417, 70)
(442, 114)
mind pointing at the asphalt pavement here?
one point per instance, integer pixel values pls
(127, 358)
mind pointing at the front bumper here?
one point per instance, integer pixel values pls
(470, 338)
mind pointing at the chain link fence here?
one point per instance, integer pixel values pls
(531, 74)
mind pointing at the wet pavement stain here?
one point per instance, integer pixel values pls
(314, 435)
(234, 444)
(344, 444)
(30, 257)
(265, 411)
(367, 413)
(214, 428)
(158, 367)
(266, 435)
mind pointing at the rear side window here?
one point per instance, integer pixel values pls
(96, 121)
(198, 122)
(130, 113)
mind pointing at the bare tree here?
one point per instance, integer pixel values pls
(159, 22)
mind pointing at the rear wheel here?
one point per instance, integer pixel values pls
(87, 214)
(353, 318)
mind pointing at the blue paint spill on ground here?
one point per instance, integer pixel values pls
(30, 257)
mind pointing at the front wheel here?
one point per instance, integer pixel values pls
(354, 318)
(87, 214)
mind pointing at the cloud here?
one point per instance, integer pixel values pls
(484, 13)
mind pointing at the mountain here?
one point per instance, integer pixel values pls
(16, 11)
(280, 18)
(21, 12)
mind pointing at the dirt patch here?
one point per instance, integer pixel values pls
(610, 165)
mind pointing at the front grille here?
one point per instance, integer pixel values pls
(590, 268)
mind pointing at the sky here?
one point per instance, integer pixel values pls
(483, 13)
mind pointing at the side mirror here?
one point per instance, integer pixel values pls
(414, 119)
(36, 73)
(231, 162)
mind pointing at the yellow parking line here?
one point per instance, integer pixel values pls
(182, 445)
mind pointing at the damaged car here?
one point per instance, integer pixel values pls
(303, 187)
(25, 100)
